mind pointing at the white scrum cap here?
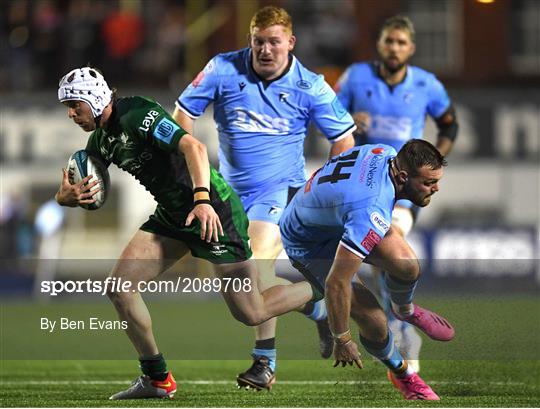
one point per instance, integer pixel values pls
(88, 85)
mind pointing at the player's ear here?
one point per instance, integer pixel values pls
(248, 39)
(292, 42)
(403, 176)
(413, 49)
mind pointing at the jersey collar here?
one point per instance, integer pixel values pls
(376, 67)
(290, 67)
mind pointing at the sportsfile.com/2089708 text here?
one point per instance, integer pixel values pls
(180, 285)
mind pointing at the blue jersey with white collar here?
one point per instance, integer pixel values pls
(398, 112)
(262, 125)
(348, 201)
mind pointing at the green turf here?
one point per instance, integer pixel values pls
(461, 383)
(493, 362)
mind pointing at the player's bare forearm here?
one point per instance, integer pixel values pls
(196, 159)
(183, 120)
(342, 145)
(338, 289)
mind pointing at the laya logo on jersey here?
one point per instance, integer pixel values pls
(391, 127)
(379, 222)
(371, 240)
(251, 121)
(148, 120)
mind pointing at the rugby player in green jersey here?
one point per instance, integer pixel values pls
(197, 211)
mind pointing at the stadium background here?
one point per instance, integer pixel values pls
(479, 239)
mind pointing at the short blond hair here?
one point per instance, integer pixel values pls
(271, 16)
(398, 22)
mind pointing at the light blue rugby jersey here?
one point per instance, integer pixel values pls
(262, 128)
(397, 113)
(349, 200)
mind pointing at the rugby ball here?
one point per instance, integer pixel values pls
(82, 164)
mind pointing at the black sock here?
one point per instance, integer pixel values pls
(308, 308)
(154, 366)
(269, 343)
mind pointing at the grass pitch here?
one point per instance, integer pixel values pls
(493, 362)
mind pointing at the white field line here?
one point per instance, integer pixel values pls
(232, 383)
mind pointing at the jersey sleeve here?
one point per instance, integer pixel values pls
(328, 113)
(438, 99)
(201, 92)
(344, 91)
(93, 146)
(153, 124)
(364, 229)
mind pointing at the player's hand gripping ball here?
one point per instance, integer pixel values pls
(82, 164)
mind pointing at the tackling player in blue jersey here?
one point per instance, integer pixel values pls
(264, 100)
(342, 218)
(390, 100)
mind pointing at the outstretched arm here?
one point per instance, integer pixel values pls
(338, 301)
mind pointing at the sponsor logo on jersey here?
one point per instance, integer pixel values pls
(407, 98)
(218, 249)
(372, 168)
(303, 84)
(165, 130)
(391, 127)
(379, 222)
(250, 121)
(371, 240)
(275, 210)
(377, 151)
(148, 120)
(198, 79)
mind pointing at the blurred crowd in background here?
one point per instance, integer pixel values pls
(135, 42)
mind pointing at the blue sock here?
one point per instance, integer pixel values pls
(319, 311)
(387, 353)
(271, 354)
(401, 292)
